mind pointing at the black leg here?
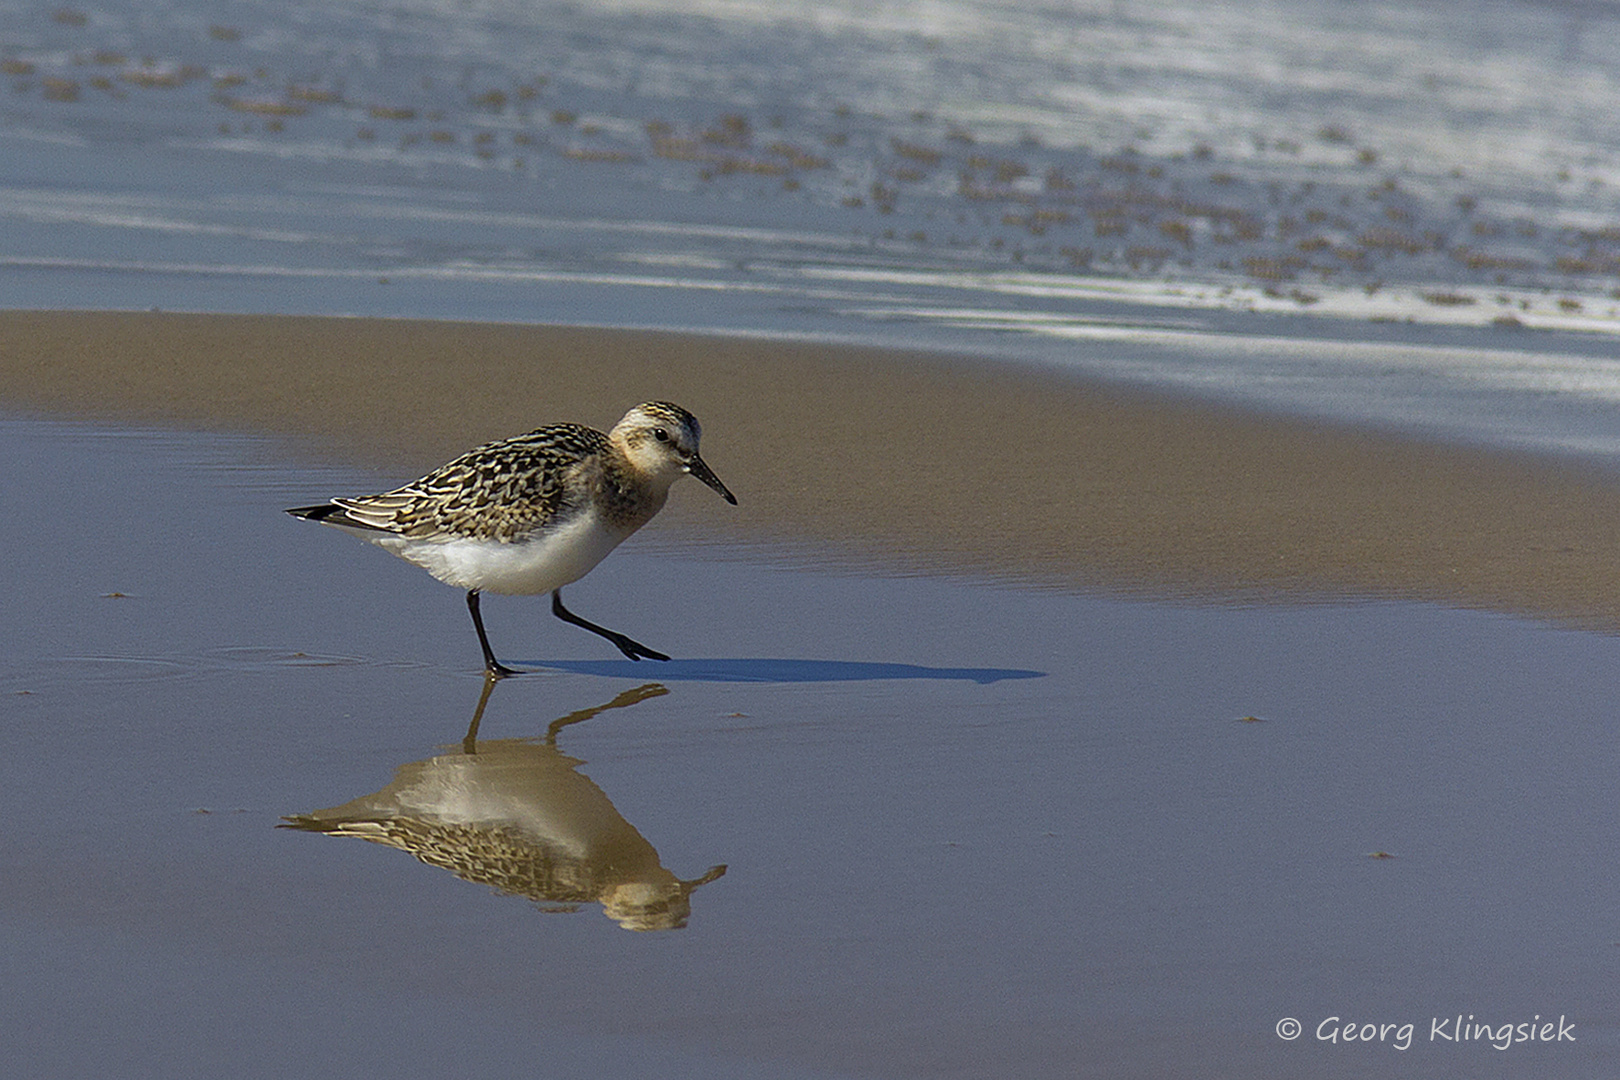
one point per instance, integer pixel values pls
(492, 666)
(633, 649)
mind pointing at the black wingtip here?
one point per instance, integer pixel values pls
(314, 513)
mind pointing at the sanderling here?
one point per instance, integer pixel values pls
(533, 513)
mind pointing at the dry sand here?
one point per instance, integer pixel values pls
(916, 461)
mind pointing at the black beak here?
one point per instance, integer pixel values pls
(700, 469)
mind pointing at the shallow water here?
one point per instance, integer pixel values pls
(1200, 195)
(965, 829)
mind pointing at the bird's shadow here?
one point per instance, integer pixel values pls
(769, 670)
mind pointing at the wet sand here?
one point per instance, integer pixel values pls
(908, 462)
(968, 830)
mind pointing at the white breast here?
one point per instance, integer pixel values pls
(548, 560)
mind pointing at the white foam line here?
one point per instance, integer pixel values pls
(115, 211)
(1404, 303)
(122, 214)
(1500, 368)
(441, 273)
(391, 207)
(52, 137)
(640, 227)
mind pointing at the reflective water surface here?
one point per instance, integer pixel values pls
(517, 815)
(1017, 832)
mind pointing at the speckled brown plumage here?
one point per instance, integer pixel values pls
(499, 491)
(535, 512)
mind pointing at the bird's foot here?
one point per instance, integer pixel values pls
(635, 650)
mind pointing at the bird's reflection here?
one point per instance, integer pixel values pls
(516, 814)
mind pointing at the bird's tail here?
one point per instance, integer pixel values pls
(316, 513)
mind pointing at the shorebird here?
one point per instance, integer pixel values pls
(530, 514)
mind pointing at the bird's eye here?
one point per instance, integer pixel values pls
(660, 434)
